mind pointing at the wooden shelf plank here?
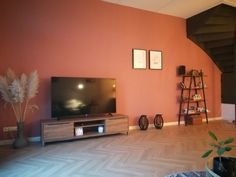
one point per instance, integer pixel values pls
(92, 125)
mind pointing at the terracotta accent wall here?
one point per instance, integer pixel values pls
(91, 38)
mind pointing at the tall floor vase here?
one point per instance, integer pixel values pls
(20, 140)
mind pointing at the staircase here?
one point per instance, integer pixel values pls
(215, 32)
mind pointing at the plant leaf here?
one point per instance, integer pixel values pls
(228, 148)
(212, 135)
(221, 151)
(4, 90)
(16, 91)
(23, 81)
(213, 145)
(33, 83)
(229, 140)
(207, 153)
(10, 76)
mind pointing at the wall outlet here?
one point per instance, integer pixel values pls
(9, 129)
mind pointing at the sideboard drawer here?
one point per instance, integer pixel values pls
(117, 125)
(58, 131)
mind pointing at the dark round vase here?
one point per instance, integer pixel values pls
(143, 122)
(158, 121)
(20, 140)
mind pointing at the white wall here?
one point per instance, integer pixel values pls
(228, 112)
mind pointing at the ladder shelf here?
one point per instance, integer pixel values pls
(192, 98)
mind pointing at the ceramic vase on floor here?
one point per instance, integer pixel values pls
(20, 140)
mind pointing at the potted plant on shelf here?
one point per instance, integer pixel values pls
(17, 91)
(222, 166)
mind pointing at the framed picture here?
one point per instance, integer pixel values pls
(139, 59)
(155, 59)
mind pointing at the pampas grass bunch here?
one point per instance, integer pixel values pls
(17, 91)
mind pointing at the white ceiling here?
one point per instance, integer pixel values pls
(179, 8)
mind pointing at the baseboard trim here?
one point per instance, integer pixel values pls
(5, 142)
(34, 139)
(174, 123)
(30, 139)
(38, 138)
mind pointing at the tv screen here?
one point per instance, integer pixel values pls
(71, 96)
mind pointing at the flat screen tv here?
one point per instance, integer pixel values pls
(75, 96)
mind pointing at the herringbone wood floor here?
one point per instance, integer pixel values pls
(151, 153)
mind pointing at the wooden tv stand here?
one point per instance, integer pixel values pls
(60, 130)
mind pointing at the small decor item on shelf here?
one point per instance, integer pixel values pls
(193, 119)
(158, 121)
(181, 70)
(143, 122)
(189, 111)
(182, 85)
(194, 72)
(201, 109)
(17, 91)
(100, 129)
(79, 131)
(196, 97)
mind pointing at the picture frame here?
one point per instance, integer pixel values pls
(155, 59)
(139, 58)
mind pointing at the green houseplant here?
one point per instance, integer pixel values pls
(221, 165)
(17, 91)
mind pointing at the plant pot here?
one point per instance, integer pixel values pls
(209, 168)
(227, 168)
(213, 167)
(20, 140)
